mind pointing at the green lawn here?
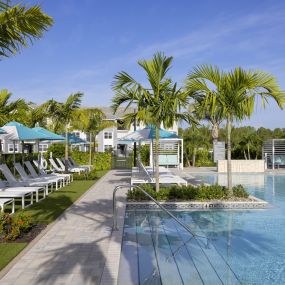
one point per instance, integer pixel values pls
(47, 211)
(8, 251)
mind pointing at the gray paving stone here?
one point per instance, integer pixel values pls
(74, 250)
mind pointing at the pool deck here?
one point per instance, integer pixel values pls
(73, 250)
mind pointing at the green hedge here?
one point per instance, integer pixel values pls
(101, 160)
(185, 193)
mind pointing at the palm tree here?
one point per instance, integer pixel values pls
(195, 138)
(234, 92)
(10, 110)
(214, 116)
(157, 103)
(92, 121)
(20, 25)
(61, 115)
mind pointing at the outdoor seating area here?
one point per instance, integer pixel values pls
(29, 187)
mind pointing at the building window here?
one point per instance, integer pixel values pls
(108, 135)
(77, 134)
(11, 148)
(108, 147)
(43, 147)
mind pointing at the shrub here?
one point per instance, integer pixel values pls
(240, 192)
(12, 227)
(102, 161)
(200, 193)
(92, 175)
(145, 153)
(57, 150)
(23, 221)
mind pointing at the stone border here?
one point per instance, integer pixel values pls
(256, 203)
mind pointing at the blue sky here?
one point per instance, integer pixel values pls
(93, 40)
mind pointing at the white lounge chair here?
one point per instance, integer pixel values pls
(15, 192)
(143, 176)
(49, 177)
(6, 201)
(74, 164)
(68, 176)
(13, 183)
(70, 169)
(34, 182)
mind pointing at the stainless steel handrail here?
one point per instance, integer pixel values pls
(115, 213)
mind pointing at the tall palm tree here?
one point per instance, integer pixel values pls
(61, 115)
(91, 121)
(234, 92)
(19, 26)
(157, 103)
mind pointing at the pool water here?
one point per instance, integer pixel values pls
(241, 246)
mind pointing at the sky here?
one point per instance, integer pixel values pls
(93, 40)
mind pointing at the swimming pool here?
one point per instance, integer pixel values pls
(242, 246)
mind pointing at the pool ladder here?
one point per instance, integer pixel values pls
(185, 226)
(115, 213)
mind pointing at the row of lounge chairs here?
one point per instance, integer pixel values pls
(31, 186)
(142, 175)
(59, 165)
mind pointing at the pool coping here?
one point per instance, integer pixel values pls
(255, 203)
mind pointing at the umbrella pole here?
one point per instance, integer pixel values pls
(14, 157)
(22, 152)
(39, 156)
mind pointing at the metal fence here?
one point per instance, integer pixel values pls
(273, 153)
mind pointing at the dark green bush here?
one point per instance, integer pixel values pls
(200, 193)
(145, 153)
(57, 150)
(239, 191)
(92, 175)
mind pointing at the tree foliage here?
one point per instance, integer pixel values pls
(20, 25)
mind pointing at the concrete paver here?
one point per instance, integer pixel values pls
(74, 250)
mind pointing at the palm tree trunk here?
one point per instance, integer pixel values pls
(94, 149)
(194, 157)
(248, 151)
(156, 159)
(215, 132)
(90, 149)
(66, 148)
(229, 150)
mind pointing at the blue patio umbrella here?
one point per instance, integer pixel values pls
(18, 132)
(148, 133)
(2, 131)
(50, 135)
(73, 139)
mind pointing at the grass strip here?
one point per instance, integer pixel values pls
(8, 251)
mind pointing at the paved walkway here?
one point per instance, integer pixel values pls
(74, 250)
